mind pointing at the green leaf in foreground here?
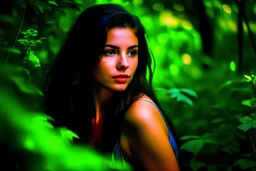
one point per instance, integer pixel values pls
(193, 146)
(245, 163)
(249, 102)
(247, 123)
(196, 165)
(189, 137)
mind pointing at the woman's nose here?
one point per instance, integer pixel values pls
(122, 62)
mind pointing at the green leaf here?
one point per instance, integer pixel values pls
(227, 83)
(254, 80)
(44, 117)
(79, 2)
(23, 41)
(53, 3)
(249, 78)
(253, 115)
(40, 8)
(254, 123)
(245, 119)
(248, 155)
(209, 138)
(38, 41)
(245, 127)
(232, 66)
(25, 86)
(213, 167)
(41, 120)
(227, 131)
(249, 102)
(6, 18)
(245, 163)
(247, 123)
(184, 98)
(229, 168)
(217, 120)
(189, 137)
(188, 92)
(193, 146)
(231, 147)
(12, 50)
(196, 165)
(67, 134)
(33, 59)
(174, 92)
(24, 32)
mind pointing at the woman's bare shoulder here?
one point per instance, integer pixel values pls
(142, 113)
(147, 135)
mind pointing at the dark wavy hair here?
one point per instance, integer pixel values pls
(68, 86)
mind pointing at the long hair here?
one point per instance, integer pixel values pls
(68, 86)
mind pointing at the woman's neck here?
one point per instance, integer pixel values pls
(101, 97)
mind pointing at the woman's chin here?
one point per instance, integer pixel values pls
(120, 88)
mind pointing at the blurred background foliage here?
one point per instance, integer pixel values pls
(205, 54)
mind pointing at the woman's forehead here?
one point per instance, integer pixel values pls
(122, 36)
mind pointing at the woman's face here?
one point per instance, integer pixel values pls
(119, 61)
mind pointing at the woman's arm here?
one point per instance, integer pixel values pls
(147, 135)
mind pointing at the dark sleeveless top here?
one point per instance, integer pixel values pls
(117, 151)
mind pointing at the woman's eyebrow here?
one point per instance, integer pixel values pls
(116, 47)
(134, 46)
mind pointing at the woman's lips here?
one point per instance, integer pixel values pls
(121, 79)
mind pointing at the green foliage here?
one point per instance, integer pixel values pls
(214, 115)
(196, 165)
(226, 133)
(27, 130)
(247, 123)
(180, 95)
(29, 40)
(66, 133)
(245, 163)
(43, 21)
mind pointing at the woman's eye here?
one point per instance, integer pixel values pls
(133, 53)
(109, 52)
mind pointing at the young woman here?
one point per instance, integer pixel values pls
(98, 88)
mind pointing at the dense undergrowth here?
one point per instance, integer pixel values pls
(213, 108)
